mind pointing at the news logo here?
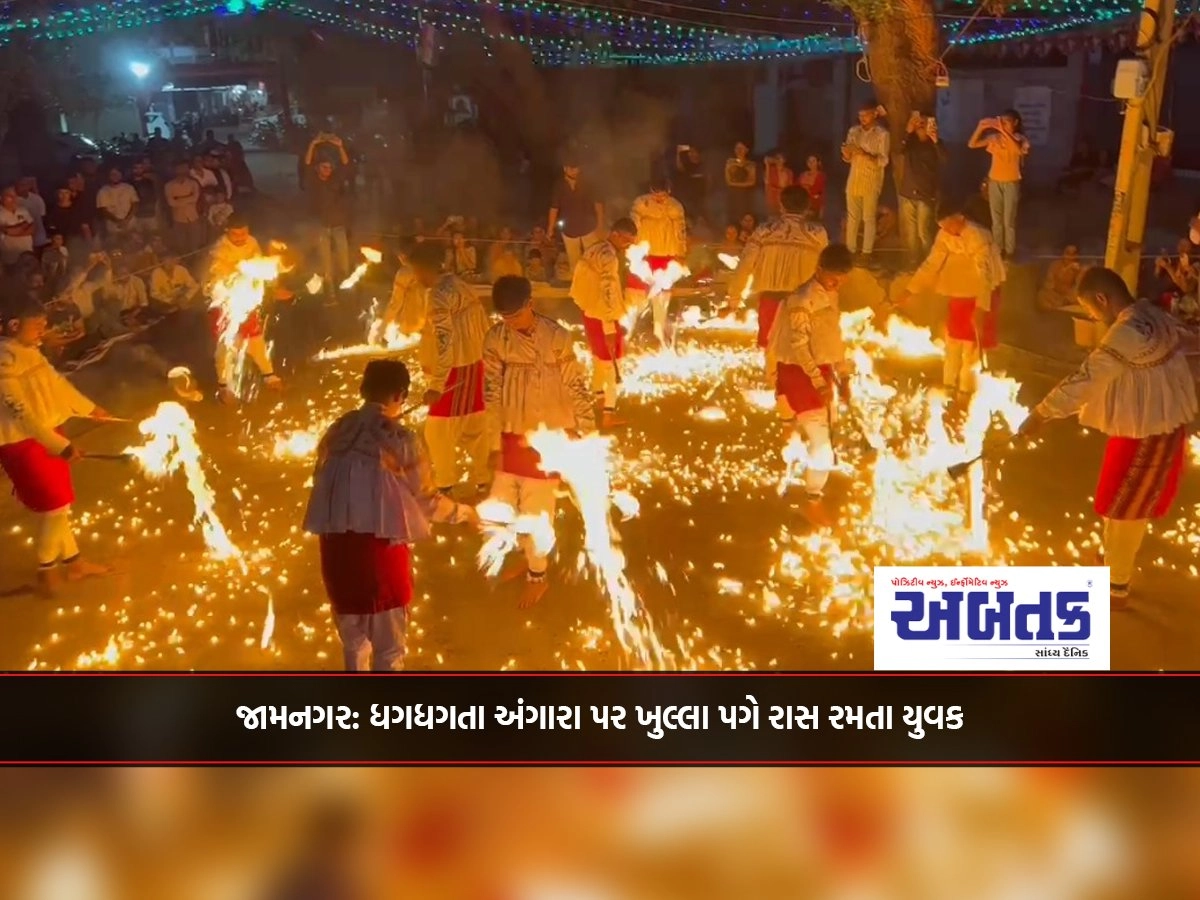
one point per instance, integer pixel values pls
(991, 618)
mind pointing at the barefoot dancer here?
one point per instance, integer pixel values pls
(532, 379)
(1137, 388)
(35, 401)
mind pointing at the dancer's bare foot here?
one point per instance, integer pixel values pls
(226, 397)
(274, 382)
(80, 569)
(518, 568)
(533, 591)
(610, 419)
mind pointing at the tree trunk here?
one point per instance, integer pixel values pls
(902, 51)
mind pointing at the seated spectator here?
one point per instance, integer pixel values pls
(733, 243)
(1058, 287)
(502, 256)
(1180, 274)
(461, 258)
(539, 241)
(172, 285)
(129, 292)
(535, 267)
(746, 227)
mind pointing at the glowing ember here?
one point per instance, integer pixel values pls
(583, 464)
(171, 446)
(382, 338)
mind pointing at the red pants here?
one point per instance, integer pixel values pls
(252, 327)
(41, 482)
(518, 458)
(1139, 477)
(463, 394)
(961, 322)
(656, 264)
(364, 574)
(768, 308)
(604, 346)
(793, 383)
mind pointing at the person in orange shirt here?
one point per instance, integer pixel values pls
(1002, 138)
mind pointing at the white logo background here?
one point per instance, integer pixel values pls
(1026, 583)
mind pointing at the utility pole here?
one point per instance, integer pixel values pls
(1141, 141)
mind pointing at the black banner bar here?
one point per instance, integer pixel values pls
(668, 719)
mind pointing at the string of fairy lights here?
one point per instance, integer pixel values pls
(583, 32)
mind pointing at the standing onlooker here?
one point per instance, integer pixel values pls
(28, 197)
(66, 218)
(116, 202)
(182, 194)
(812, 179)
(923, 157)
(16, 228)
(692, 185)
(574, 204)
(866, 150)
(1008, 147)
(328, 198)
(145, 182)
(777, 176)
(741, 178)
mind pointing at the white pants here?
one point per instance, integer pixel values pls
(962, 361)
(255, 349)
(660, 305)
(529, 497)
(814, 426)
(575, 247)
(374, 642)
(1122, 539)
(604, 381)
(56, 538)
(446, 436)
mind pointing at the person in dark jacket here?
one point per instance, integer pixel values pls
(923, 156)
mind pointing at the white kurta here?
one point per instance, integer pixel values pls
(1135, 384)
(661, 223)
(458, 322)
(35, 399)
(373, 478)
(780, 255)
(962, 266)
(533, 380)
(407, 307)
(808, 331)
(596, 286)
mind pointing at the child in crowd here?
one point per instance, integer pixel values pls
(1058, 288)
(35, 402)
(372, 498)
(535, 268)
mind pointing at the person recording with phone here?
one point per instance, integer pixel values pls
(1008, 146)
(866, 149)
(923, 156)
